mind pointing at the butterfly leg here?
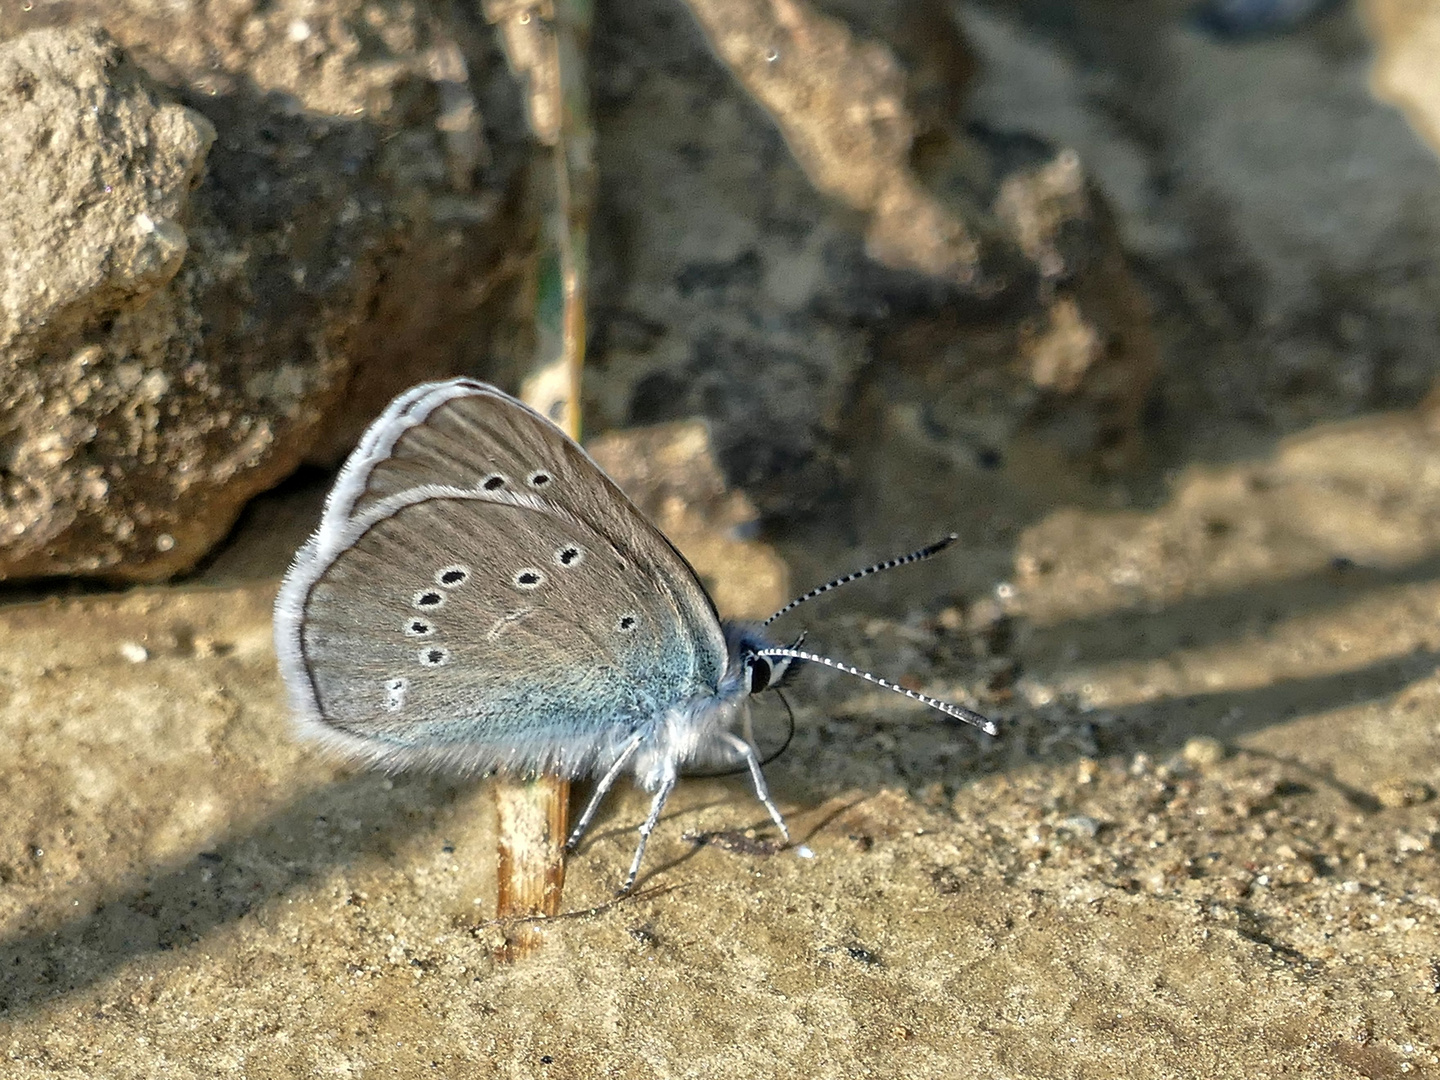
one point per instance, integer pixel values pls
(761, 791)
(667, 785)
(601, 789)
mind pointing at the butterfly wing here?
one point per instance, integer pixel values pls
(466, 433)
(439, 616)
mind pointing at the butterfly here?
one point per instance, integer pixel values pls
(480, 596)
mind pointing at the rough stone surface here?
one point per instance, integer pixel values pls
(839, 100)
(747, 295)
(98, 174)
(93, 330)
(1285, 221)
(180, 331)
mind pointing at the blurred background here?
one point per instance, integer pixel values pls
(1140, 298)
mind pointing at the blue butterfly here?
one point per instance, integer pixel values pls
(480, 596)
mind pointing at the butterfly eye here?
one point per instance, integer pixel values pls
(759, 669)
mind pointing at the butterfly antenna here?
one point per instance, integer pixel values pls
(888, 564)
(959, 712)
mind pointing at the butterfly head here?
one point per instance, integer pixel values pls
(757, 663)
(753, 671)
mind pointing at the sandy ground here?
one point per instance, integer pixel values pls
(1204, 844)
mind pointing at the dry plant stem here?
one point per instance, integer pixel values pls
(531, 864)
(546, 45)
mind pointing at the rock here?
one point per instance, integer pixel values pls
(1089, 347)
(91, 209)
(776, 239)
(1080, 825)
(1407, 61)
(1204, 751)
(839, 100)
(987, 217)
(1396, 791)
(179, 329)
(1290, 292)
(87, 231)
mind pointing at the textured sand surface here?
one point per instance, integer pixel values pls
(1205, 843)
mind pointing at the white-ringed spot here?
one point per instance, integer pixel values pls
(395, 694)
(493, 482)
(529, 578)
(626, 623)
(569, 555)
(451, 576)
(434, 656)
(418, 628)
(428, 600)
(539, 478)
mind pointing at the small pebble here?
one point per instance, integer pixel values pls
(1082, 824)
(134, 652)
(1396, 791)
(1204, 751)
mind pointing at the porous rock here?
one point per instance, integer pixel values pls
(92, 208)
(180, 330)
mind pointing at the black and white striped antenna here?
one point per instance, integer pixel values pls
(958, 712)
(888, 564)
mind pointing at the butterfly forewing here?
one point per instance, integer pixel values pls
(469, 435)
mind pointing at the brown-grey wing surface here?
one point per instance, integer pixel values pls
(466, 630)
(467, 434)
